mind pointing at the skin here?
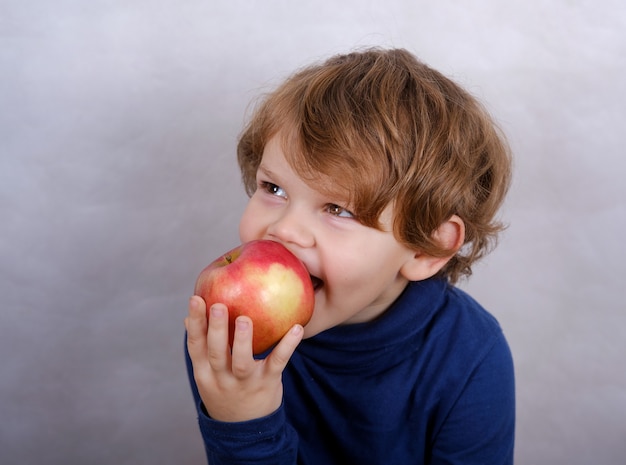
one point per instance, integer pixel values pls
(357, 286)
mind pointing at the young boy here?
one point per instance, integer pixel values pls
(384, 178)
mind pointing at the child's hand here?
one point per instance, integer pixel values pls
(234, 386)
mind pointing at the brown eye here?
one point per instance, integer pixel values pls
(336, 210)
(273, 189)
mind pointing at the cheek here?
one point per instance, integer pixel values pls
(351, 270)
(247, 226)
(341, 270)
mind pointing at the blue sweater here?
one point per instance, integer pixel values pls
(429, 382)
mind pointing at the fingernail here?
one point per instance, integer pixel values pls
(297, 329)
(217, 311)
(242, 325)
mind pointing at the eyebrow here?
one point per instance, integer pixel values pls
(264, 170)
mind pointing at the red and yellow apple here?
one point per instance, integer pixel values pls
(266, 282)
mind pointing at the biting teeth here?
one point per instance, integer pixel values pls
(316, 282)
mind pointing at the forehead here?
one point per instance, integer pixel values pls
(283, 162)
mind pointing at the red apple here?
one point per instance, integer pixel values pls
(265, 281)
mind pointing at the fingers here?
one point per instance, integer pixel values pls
(242, 359)
(208, 342)
(278, 359)
(197, 312)
(207, 335)
(218, 349)
(232, 384)
(196, 324)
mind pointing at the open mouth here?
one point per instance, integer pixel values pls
(317, 283)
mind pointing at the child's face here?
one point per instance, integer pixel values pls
(359, 267)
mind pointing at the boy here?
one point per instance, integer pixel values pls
(384, 178)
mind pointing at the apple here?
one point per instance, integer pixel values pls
(265, 281)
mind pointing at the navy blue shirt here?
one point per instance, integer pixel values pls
(428, 382)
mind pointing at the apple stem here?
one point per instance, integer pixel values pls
(228, 258)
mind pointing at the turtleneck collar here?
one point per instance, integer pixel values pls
(394, 334)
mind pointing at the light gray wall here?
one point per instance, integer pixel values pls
(118, 183)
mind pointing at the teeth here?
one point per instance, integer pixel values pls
(316, 282)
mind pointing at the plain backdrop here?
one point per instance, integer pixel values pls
(118, 184)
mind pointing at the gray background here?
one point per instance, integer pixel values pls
(118, 183)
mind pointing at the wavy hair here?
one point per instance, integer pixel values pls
(386, 128)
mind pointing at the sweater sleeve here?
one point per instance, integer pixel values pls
(480, 426)
(267, 440)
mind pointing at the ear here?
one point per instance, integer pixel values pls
(451, 236)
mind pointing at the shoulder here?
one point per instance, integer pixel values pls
(472, 381)
(478, 401)
(463, 313)
(457, 317)
(464, 343)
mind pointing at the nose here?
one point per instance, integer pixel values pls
(291, 227)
